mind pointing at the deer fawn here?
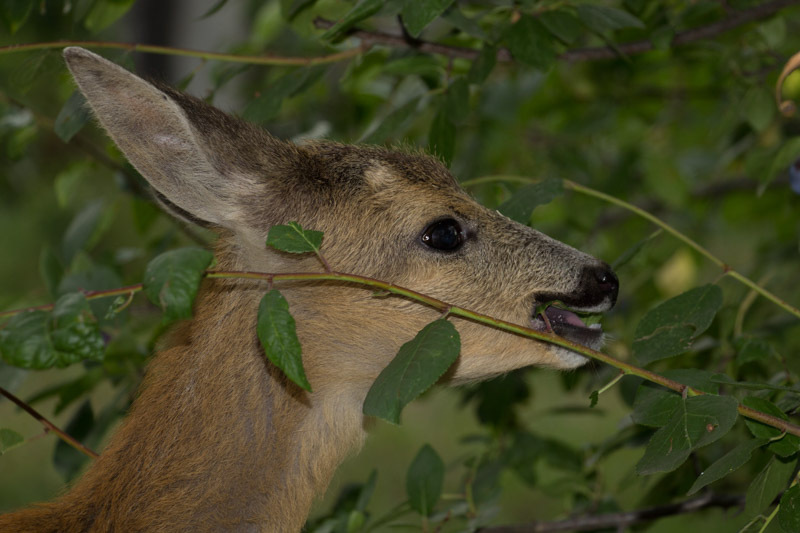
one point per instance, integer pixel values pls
(218, 438)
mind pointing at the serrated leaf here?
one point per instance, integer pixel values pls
(268, 103)
(171, 280)
(530, 42)
(670, 328)
(9, 439)
(528, 197)
(604, 18)
(391, 125)
(726, 464)
(14, 13)
(278, 336)
(442, 136)
(294, 239)
(653, 405)
(785, 446)
(417, 366)
(364, 9)
(694, 423)
(789, 513)
(72, 117)
(419, 13)
(562, 24)
(772, 479)
(482, 65)
(424, 480)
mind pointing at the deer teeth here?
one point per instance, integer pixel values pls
(595, 326)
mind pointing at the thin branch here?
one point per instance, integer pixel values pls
(263, 59)
(49, 425)
(735, 19)
(623, 519)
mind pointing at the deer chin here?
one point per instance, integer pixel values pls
(568, 325)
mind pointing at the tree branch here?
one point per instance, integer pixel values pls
(623, 519)
(737, 18)
(49, 426)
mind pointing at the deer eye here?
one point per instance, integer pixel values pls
(445, 235)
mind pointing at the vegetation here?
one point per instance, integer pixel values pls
(658, 136)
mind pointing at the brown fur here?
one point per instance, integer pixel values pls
(218, 439)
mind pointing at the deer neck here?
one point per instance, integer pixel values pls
(218, 438)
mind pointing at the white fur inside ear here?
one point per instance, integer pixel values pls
(171, 141)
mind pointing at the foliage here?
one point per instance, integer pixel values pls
(533, 105)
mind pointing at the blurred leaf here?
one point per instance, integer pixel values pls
(14, 13)
(362, 10)
(9, 439)
(482, 66)
(442, 136)
(366, 492)
(634, 250)
(419, 13)
(296, 7)
(171, 280)
(786, 156)
(562, 24)
(104, 13)
(604, 18)
(144, 213)
(67, 460)
(267, 104)
(530, 43)
(424, 480)
(67, 181)
(391, 124)
(467, 25)
(294, 239)
(72, 117)
(278, 336)
(50, 269)
(418, 365)
(420, 65)
(695, 422)
(457, 100)
(726, 464)
(758, 108)
(86, 228)
(528, 197)
(789, 513)
(767, 485)
(785, 446)
(749, 349)
(670, 328)
(213, 9)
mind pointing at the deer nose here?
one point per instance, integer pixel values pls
(602, 281)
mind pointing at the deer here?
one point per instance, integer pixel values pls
(218, 439)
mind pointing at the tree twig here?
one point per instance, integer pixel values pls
(735, 19)
(623, 519)
(49, 425)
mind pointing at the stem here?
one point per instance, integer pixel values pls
(49, 425)
(265, 59)
(552, 338)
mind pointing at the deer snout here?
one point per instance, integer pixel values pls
(600, 286)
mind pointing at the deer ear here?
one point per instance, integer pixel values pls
(196, 157)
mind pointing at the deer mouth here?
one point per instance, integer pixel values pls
(569, 325)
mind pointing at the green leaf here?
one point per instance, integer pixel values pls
(768, 484)
(482, 66)
(24, 342)
(785, 446)
(603, 18)
(789, 513)
(654, 405)
(528, 197)
(213, 9)
(726, 464)
(417, 366)
(9, 439)
(457, 100)
(66, 183)
(419, 13)
(442, 136)
(695, 422)
(424, 480)
(530, 42)
(786, 156)
(104, 14)
(633, 251)
(670, 328)
(758, 108)
(391, 125)
(364, 9)
(420, 65)
(750, 349)
(72, 117)
(171, 280)
(87, 228)
(294, 239)
(268, 103)
(67, 460)
(465, 24)
(278, 336)
(50, 269)
(74, 333)
(14, 13)
(296, 7)
(562, 24)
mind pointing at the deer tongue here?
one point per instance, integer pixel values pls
(558, 316)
